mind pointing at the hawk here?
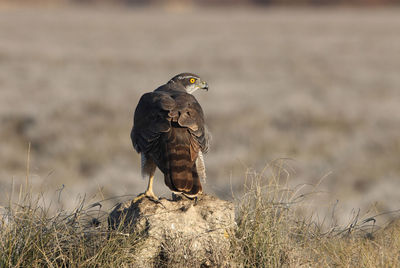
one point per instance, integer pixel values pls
(169, 133)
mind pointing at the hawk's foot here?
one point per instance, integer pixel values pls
(176, 196)
(149, 194)
(180, 196)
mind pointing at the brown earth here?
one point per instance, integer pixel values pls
(183, 232)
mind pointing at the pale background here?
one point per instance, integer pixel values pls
(318, 85)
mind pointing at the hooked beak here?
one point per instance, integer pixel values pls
(204, 86)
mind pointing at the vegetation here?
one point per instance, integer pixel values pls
(269, 233)
(30, 237)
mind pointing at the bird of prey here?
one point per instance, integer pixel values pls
(169, 132)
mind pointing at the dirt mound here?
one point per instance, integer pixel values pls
(181, 232)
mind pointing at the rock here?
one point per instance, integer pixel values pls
(178, 233)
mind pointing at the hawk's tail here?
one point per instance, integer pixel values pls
(181, 175)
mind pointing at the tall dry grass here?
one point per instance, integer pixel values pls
(33, 235)
(270, 233)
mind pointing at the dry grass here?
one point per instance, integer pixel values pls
(31, 237)
(269, 233)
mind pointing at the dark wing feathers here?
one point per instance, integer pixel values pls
(156, 110)
(191, 116)
(150, 120)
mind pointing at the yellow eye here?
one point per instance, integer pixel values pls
(192, 80)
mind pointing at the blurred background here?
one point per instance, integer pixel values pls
(312, 82)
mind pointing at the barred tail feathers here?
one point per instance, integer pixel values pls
(181, 174)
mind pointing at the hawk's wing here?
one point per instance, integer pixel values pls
(188, 113)
(151, 119)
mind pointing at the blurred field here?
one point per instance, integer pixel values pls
(318, 86)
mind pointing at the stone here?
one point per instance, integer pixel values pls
(178, 233)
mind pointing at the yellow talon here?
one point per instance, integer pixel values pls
(149, 191)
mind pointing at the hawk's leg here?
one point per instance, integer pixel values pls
(149, 191)
(148, 168)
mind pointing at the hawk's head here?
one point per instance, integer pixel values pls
(190, 82)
